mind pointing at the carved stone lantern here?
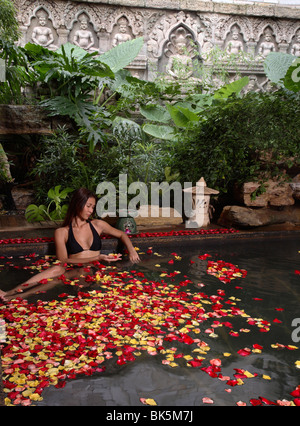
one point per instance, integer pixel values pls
(199, 216)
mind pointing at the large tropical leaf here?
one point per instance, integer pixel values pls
(71, 50)
(182, 117)
(73, 68)
(122, 125)
(57, 195)
(232, 88)
(35, 213)
(122, 55)
(60, 213)
(155, 113)
(78, 108)
(35, 51)
(159, 132)
(276, 65)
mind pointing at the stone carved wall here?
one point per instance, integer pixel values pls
(167, 33)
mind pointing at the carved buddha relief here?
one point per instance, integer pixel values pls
(83, 34)
(179, 53)
(267, 43)
(121, 32)
(42, 30)
(234, 43)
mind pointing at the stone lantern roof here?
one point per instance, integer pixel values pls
(201, 188)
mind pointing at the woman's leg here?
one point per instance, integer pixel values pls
(52, 272)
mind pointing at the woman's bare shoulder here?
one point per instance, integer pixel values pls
(98, 224)
(61, 232)
(105, 228)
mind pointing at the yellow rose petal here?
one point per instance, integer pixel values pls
(266, 377)
(150, 401)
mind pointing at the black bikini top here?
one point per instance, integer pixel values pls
(73, 247)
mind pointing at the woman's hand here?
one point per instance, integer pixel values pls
(134, 257)
(110, 257)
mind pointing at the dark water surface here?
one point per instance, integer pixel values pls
(271, 283)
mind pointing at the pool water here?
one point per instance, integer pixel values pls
(247, 326)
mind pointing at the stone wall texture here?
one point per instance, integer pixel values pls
(249, 27)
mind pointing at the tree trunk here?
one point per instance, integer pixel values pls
(6, 180)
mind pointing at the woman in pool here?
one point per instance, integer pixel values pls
(77, 241)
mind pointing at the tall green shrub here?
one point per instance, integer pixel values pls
(9, 28)
(226, 148)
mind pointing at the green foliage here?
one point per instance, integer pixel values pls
(74, 70)
(73, 80)
(221, 66)
(226, 147)
(122, 55)
(230, 89)
(80, 79)
(15, 63)
(159, 132)
(72, 76)
(55, 210)
(155, 113)
(9, 28)
(65, 160)
(58, 163)
(18, 73)
(136, 155)
(193, 132)
(187, 113)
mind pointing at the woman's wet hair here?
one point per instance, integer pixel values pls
(77, 203)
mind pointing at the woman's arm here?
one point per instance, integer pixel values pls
(105, 228)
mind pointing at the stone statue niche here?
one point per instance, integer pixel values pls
(121, 32)
(234, 42)
(295, 50)
(266, 44)
(41, 30)
(180, 52)
(83, 34)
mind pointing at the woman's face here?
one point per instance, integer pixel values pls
(89, 208)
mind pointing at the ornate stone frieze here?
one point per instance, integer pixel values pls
(170, 35)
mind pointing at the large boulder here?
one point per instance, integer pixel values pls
(22, 197)
(24, 119)
(246, 217)
(276, 193)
